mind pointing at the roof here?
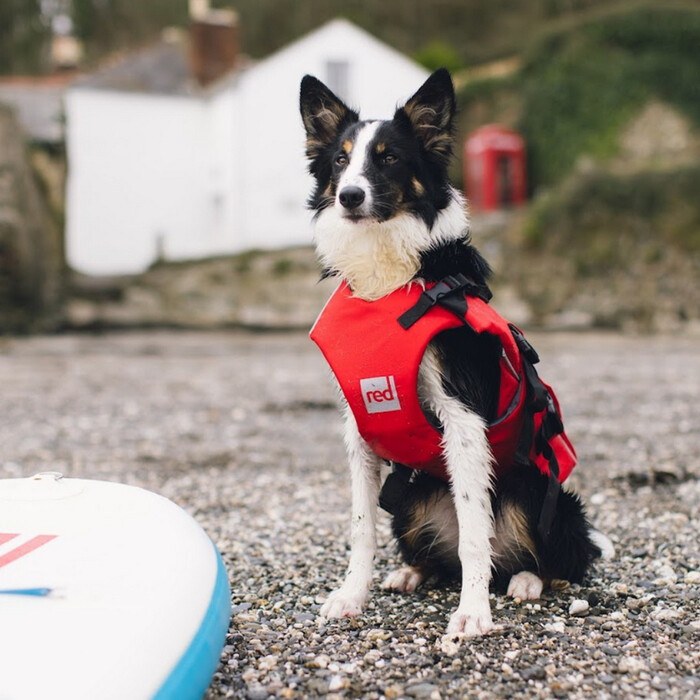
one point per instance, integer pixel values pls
(38, 104)
(161, 67)
(341, 28)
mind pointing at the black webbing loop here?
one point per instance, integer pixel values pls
(539, 399)
(528, 352)
(452, 284)
(549, 505)
(394, 489)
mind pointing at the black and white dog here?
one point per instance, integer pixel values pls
(386, 215)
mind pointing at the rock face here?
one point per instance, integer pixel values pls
(31, 255)
(658, 135)
(272, 290)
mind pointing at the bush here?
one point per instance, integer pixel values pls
(580, 88)
(438, 54)
(600, 217)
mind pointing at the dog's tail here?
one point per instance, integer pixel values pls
(606, 547)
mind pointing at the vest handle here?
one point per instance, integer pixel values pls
(446, 287)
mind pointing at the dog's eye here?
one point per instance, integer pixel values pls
(342, 159)
(389, 159)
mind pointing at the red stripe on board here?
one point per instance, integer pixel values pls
(6, 537)
(26, 548)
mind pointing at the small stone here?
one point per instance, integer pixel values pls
(320, 661)
(619, 588)
(304, 617)
(692, 577)
(666, 577)
(257, 693)
(658, 683)
(337, 683)
(631, 665)
(451, 643)
(377, 634)
(556, 627)
(318, 686)
(533, 673)
(593, 598)
(393, 692)
(662, 614)
(423, 690)
(241, 607)
(579, 608)
(267, 663)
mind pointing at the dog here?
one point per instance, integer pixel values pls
(386, 218)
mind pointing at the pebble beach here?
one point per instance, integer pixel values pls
(242, 431)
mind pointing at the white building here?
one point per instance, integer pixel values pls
(162, 167)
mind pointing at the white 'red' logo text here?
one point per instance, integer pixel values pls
(379, 394)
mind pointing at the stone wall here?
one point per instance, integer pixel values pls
(270, 290)
(31, 251)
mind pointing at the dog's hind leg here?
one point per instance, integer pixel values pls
(404, 579)
(520, 552)
(525, 586)
(426, 531)
(350, 598)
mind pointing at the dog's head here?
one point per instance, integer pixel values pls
(376, 170)
(382, 197)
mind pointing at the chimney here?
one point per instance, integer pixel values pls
(213, 42)
(66, 52)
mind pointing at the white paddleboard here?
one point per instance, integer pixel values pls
(107, 592)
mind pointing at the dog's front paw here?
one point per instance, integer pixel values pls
(470, 624)
(406, 579)
(525, 586)
(340, 603)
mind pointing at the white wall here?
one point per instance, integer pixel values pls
(137, 172)
(270, 138)
(211, 175)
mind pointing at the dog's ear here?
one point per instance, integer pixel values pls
(431, 112)
(323, 114)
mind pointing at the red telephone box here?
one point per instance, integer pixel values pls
(494, 168)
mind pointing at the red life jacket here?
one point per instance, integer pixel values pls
(375, 348)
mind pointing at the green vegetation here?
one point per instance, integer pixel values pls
(622, 249)
(439, 54)
(477, 30)
(612, 237)
(579, 88)
(23, 36)
(657, 209)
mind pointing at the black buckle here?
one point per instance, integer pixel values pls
(524, 346)
(445, 287)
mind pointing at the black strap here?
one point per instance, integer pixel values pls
(538, 399)
(395, 486)
(446, 287)
(549, 505)
(524, 346)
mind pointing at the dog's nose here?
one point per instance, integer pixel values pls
(351, 197)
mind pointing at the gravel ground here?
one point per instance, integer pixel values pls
(242, 431)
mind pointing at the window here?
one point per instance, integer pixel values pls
(338, 78)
